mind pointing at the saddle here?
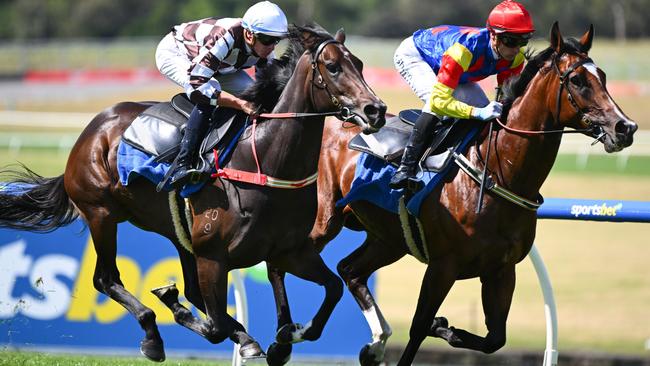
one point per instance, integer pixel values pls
(389, 142)
(158, 130)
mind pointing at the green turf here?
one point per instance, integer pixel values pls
(15, 358)
(603, 164)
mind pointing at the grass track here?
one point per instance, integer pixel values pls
(12, 358)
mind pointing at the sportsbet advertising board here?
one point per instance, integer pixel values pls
(47, 298)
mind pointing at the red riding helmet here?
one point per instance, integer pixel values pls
(510, 17)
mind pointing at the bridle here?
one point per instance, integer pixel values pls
(595, 131)
(343, 113)
(317, 81)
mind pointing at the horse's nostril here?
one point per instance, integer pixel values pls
(370, 111)
(375, 110)
(625, 127)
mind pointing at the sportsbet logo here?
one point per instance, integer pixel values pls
(595, 210)
(37, 288)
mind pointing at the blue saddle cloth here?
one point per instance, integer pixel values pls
(372, 176)
(133, 163)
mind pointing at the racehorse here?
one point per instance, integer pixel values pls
(560, 87)
(234, 224)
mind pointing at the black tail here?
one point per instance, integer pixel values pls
(32, 203)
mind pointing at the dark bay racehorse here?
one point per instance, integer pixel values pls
(559, 88)
(234, 224)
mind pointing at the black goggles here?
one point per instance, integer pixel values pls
(267, 40)
(512, 41)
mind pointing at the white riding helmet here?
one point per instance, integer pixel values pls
(266, 18)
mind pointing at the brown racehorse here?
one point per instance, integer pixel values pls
(235, 224)
(560, 87)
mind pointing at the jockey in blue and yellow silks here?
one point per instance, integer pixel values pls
(459, 55)
(442, 65)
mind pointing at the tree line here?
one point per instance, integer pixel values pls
(60, 19)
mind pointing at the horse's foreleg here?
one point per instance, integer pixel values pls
(436, 283)
(107, 281)
(355, 269)
(190, 278)
(279, 354)
(213, 281)
(307, 264)
(496, 294)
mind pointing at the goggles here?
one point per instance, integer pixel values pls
(267, 40)
(512, 41)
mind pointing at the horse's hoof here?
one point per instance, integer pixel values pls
(153, 350)
(290, 333)
(439, 322)
(367, 358)
(278, 354)
(169, 292)
(251, 351)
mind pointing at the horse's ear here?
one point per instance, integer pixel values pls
(340, 35)
(586, 39)
(557, 43)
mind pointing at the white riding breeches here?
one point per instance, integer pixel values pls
(175, 65)
(420, 77)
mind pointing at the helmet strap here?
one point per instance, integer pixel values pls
(495, 43)
(250, 35)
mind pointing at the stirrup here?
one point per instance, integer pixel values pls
(197, 176)
(190, 176)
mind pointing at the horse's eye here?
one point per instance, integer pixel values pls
(333, 68)
(577, 81)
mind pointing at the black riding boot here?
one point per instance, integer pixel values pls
(183, 172)
(413, 151)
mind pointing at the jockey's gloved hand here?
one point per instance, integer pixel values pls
(491, 111)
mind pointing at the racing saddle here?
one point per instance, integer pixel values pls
(158, 130)
(389, 142)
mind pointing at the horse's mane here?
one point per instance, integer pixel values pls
(516, 86)
(272, 79)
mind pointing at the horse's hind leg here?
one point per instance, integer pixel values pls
(107, 281)
(496, 294)
(279, 354)
(307, 264)
(355, 269)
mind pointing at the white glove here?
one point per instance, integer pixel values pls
(492, 110)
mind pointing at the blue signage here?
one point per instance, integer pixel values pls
(47, 298)
(594, 210)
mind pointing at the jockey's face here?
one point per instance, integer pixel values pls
(261, 44)
(505, 46)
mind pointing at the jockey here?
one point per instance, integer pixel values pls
(452, 59)
(206, 58)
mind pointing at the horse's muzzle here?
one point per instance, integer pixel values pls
(375, 114)
(625, 130)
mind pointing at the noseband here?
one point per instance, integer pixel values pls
(343, 113)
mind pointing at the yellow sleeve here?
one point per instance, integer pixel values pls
(444, 104)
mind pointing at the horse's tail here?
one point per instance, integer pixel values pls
(33, 203)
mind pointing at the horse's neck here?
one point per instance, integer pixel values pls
(524, 162)
(292, 146)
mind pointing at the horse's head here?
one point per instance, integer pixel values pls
(336, 81)
(582, 100)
